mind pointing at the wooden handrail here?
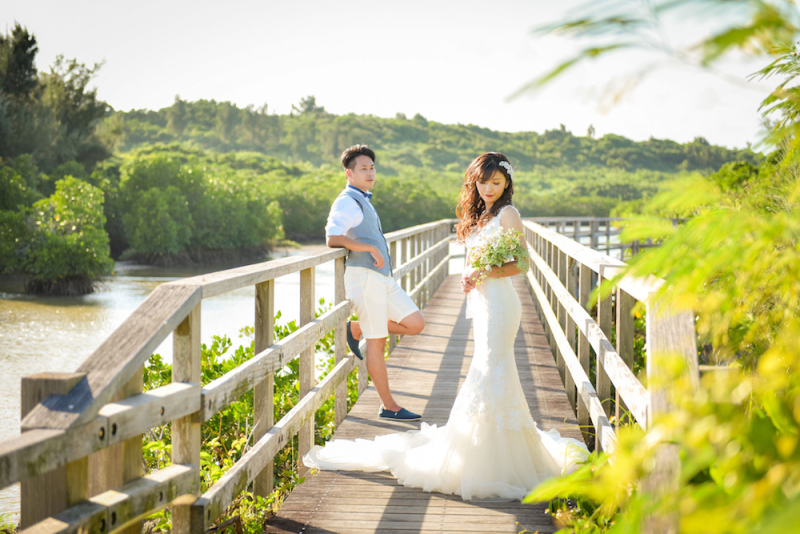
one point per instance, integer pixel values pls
(599, 228)
(633, 393)
(560, 281)
(117, 359)
(65, 430)
(602, 264)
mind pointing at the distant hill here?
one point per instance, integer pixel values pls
(313, 135)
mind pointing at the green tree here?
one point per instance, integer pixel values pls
(226, 120)
(76, 109)
(308, 106)
(176, 116)
(18, 75)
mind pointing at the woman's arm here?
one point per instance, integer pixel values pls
(510, 219)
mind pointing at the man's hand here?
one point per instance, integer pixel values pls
(378, 257)
(352, 244)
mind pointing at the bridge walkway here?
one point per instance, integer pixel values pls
(426, 372)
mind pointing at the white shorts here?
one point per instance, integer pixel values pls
(377, 299)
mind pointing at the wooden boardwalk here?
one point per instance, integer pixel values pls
(425, 373)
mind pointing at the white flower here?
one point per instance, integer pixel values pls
(507, 166)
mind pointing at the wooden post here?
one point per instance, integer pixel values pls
(114, 466)
(446, 233)
(603, 382)
(305, 436)
(340, 341)
(551, 265)
(584, 288)
(593, 230)
(668, 334)
(264, 393)
(403, 259)
(419, 276)
(576, 226)
(625, 331)
(412, 275)
(423, 269)
(572, 287)
(53, 492)
(186, 435)
(561, 312)
(608, 236)
(544, 247)
(393, 254)
(412, 253)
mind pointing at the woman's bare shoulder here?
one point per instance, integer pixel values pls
(510, 217)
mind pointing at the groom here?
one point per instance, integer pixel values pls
(382, 306)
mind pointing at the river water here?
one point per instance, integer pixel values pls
(55, 334)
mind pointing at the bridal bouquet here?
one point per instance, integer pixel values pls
(498, 249)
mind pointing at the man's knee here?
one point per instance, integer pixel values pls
(414, 322)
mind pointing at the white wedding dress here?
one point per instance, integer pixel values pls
(490, 447)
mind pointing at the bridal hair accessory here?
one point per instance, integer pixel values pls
(507, 166)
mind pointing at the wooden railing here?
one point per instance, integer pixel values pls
(79, 458)
(562, 277)
(599, 230)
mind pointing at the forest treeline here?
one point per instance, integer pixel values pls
(206, 180)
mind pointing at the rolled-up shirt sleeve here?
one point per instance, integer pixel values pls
(345, 214)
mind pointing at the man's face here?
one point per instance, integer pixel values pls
(362, 175)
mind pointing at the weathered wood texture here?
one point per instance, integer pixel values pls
(425, 372)
(53, 492)
(117, 359)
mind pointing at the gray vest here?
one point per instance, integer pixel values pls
(370, 232)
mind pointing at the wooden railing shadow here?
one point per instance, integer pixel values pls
(79, 458)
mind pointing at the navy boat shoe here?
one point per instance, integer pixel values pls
(353, 343)
(401, 415)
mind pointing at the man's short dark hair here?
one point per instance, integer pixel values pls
(349, 156)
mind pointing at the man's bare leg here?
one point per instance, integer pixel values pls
(376, 363)
(376, 367)
(409, 326)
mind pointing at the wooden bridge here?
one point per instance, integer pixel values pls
(79, 458)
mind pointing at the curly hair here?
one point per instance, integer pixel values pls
(471, 208)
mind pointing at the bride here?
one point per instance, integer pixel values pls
(490, 446)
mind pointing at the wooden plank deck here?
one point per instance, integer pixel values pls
(425, 372)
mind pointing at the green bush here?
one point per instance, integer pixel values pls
(18, 184)
(67, 249)
(159, 221)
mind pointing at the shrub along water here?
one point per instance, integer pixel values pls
(59, 242)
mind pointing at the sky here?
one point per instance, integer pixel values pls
(452, 61)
